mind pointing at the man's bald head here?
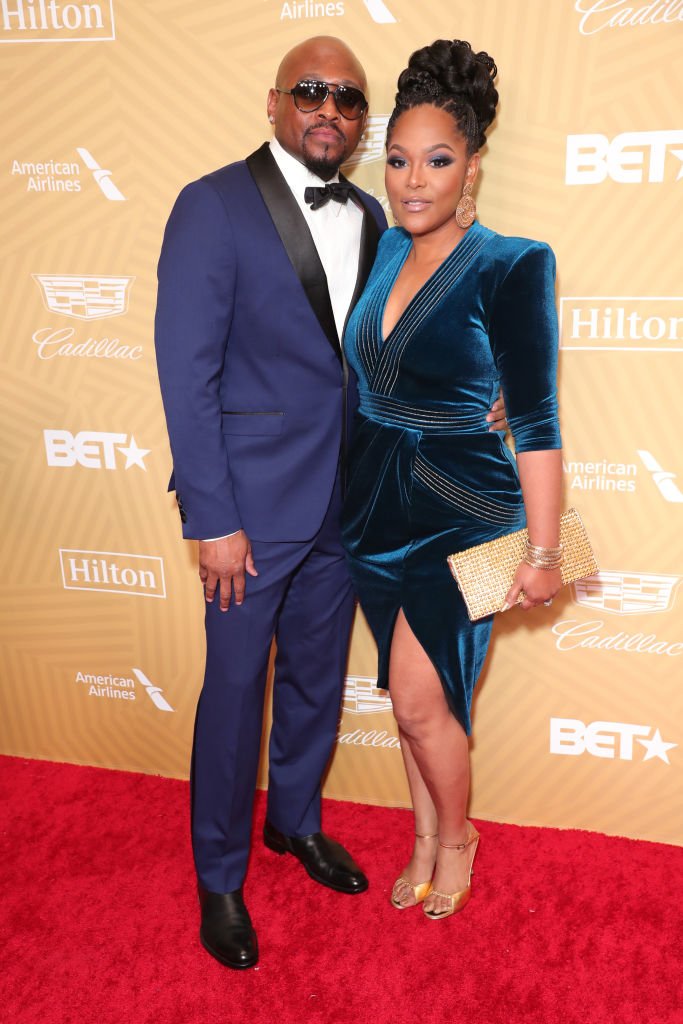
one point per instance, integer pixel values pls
(327, 48)
(321, 139)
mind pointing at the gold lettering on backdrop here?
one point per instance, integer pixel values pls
(572, 634)
(616, 323)
(601, 14)
(48, 14)
(52, 343)
(601, 476)
(371, 738)
(311, 9)
(50, 167)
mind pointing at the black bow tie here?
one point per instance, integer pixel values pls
(317, 196)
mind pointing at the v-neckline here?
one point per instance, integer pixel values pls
(384, 338)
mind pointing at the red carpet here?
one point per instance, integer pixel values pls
(99, 921)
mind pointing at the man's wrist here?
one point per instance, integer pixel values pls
(207, 540)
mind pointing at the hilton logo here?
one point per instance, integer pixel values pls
(604, 323)
(113, 572)
(46, 21)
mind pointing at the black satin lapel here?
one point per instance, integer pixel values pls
(295, 236)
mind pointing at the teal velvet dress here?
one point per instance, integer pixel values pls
(426, 476)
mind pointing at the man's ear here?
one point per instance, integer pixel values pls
(271, 104)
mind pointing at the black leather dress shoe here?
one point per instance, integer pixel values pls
(226, 930)
(325, 860)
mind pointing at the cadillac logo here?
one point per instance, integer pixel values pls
(362, 697)
(371, 145)
(84, 298)
(626, 593)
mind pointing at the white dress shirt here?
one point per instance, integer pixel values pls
(336, 229)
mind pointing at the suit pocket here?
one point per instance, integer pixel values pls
(253, 422)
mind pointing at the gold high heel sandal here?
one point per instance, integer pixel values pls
(457, 899)
(420, 891)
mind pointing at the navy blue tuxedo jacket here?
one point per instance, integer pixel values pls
(254, 384)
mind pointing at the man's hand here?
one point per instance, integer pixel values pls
(497, 417)
(224, 562)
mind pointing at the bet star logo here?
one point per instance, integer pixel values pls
(93, 449)
(613, 740)
(656, 747)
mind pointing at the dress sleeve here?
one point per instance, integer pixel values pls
(524, 341)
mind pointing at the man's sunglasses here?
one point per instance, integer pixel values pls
(310, 95)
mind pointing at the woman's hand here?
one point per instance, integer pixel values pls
(538, 585)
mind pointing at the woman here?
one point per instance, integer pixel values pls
(451, 311)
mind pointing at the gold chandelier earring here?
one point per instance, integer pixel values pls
(466, 210)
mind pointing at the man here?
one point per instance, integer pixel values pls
(257, 400)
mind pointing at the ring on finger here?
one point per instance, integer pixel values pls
(548, 602)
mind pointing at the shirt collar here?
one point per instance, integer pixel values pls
(297, 176)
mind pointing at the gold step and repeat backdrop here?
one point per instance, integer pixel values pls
(108, 108)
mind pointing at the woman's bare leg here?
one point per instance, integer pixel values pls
(420, 868)
(437, 761)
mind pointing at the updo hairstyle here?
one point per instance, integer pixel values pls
(449, 75)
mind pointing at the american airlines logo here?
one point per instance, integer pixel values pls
(113, 572)
(371, 144)
(601, 474)
(613, 740)
(102, 177)
(65, 175)
(307, 9)
(628, 159)
(48, 21)
(626, 593)
(379, 12)
(122, 688)
(617, 323)
(362, 697)
(84, 298)
(663, 479)
(92, 449)
(153, 692)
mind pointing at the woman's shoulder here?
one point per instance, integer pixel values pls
(517, 266)
(510, 249)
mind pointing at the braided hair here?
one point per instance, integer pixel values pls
(449, 75)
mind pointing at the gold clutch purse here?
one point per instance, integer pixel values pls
(484, 573)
